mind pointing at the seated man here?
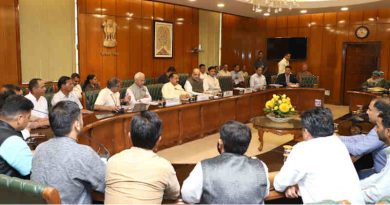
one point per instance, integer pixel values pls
(109, 97)
(194, 85)
(65, 86)
(212, 81)
(231, 177)
(359, 145)
(319, 168)
(376, 80)
(164, 78)
(287, 78)
(224, 71)
(73, 169)
(15, 155)
(203, 73)
(40, 112)
(173, 89)
(12, 89)
(76, 85)
(138, 92)
(238, 79)
(257, 81)
(244, 72)
(138, 175)
(303, 73)
(377, 186)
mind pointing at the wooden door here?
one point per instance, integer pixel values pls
(359, 60)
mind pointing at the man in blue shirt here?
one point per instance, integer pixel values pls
(359, 145)
(15, 155)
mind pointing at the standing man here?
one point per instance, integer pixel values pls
(65, 86)
(76, 85)
(109, 97)
(138, 175)
(15, 155)
(212, 81)
(260, 62)
(319, 168)
(359, 145)
(231, 177)
(257, 81)
(73, 169)
(283, 63)
(203, 73)
(224, 71)
(164, 78)
(138, 92)
(195, 85)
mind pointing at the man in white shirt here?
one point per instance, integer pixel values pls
(257, 81)
(212, 82)
(224, 71)
(173, 89)
(40, 112)
(65, 86)
(283, 63)
(203, 73)
(138, 92)
(319, 168)
(194, 85)
(376, 186)
(76, 85)
(231, 177)
(109, 97)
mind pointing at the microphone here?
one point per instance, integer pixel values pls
(40, 111)
(106, 153)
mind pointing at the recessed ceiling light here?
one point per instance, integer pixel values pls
(303, 11)
(344, 8)
(266, 14)
(191, 0)
(371, 19)
(220, 5)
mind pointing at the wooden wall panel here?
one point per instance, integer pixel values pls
(134, 51)
(326, 33)
(9, 41)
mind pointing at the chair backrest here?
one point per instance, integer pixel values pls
(48, 97)
(182, 78)
(20, 191)
(273, 79)
(149, 81)
(155, 91)
(309, 81)
(127, 83)
(91, 97)
(387, 84)
(123, 92)
(226, 83)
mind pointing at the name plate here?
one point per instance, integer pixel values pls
(172, 102)
(248, 90)
(202, 98)
(228, 93)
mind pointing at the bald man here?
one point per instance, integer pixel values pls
(194, 85)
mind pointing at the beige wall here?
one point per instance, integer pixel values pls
(209, 37)
(47, 38)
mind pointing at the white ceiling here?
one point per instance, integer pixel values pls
(244, 8)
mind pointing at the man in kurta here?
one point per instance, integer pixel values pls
(173, 89)
(138, 92)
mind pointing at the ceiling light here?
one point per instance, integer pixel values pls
(276, 5)
(266, 14)
(344, 9)
(258, 10)
(221, 5)
(191, 0)
(371, 19)
(303, 11)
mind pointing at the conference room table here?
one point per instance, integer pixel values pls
(362, 98)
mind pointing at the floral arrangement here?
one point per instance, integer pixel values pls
(280, 106)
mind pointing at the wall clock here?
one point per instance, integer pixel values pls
(362, 32)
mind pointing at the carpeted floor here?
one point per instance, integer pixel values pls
(195, 151)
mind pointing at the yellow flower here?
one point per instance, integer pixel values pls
(269, 104)
(284, 107)
(284, 96)
(276, 108)
(279, 101)
(292, 109)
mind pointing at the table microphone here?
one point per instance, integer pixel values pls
(106, 153)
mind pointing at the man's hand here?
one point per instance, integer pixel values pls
(126, 99)
(115, 108)
(292, 192)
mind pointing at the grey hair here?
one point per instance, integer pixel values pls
(138, 75)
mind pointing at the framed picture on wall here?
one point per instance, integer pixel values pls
(163, 39)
